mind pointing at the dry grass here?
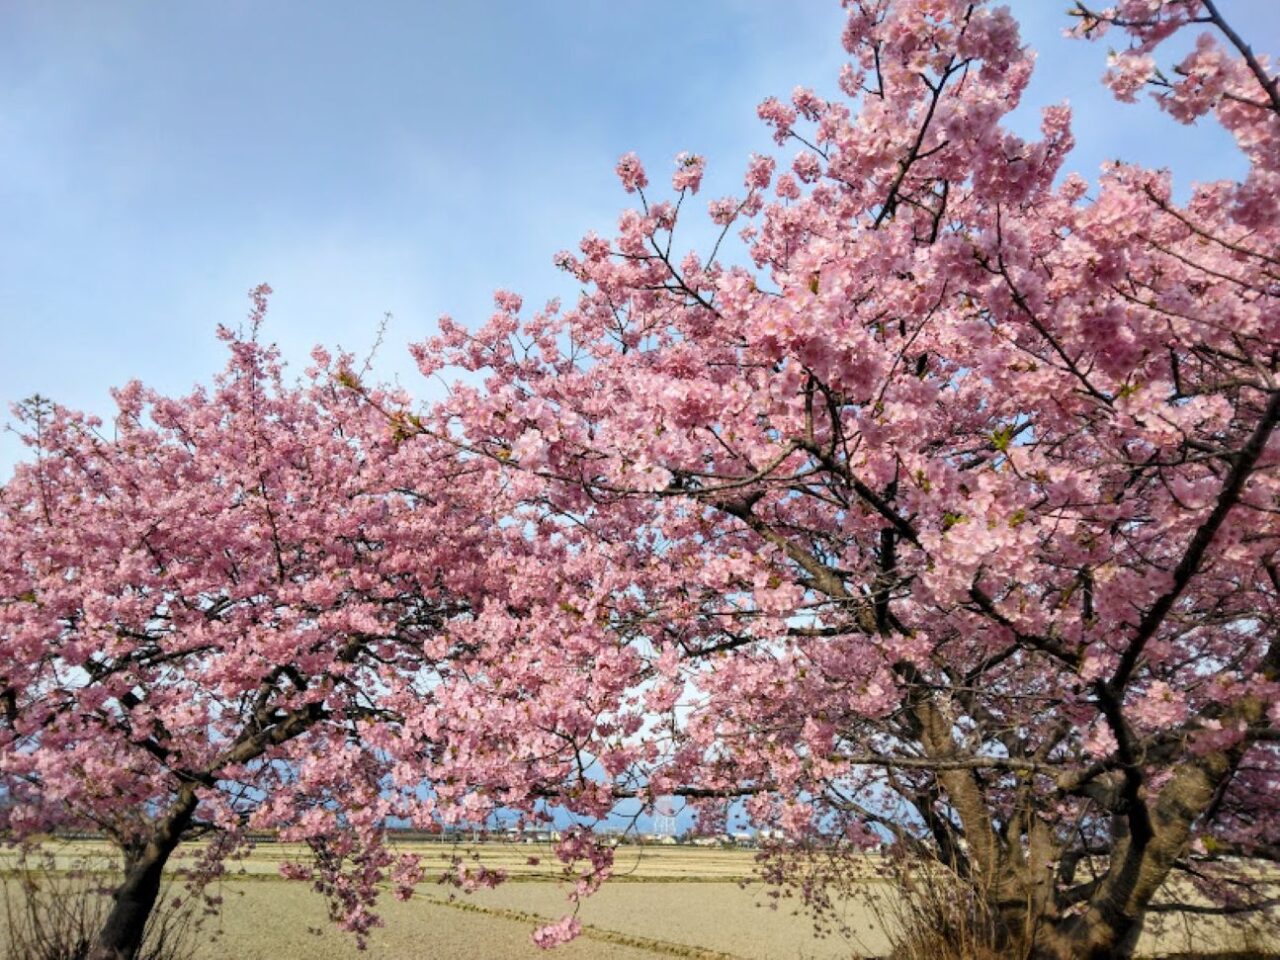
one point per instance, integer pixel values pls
(51, 914)
(930, 914)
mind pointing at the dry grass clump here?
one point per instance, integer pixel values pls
(50, 914)
(926, 912)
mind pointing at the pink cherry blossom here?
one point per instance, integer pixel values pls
(631, 173)
(688, 175)
(553, 934)
(955, 498)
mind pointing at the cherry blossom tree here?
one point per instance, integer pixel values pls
(257, 607)
(951, 515)
(220, 615)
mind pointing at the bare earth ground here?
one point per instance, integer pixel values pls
(665, 902)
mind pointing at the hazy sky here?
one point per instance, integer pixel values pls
(159, 159)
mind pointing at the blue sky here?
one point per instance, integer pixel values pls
(158, 160)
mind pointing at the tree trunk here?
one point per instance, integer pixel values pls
(121, 935)
(1091, 939)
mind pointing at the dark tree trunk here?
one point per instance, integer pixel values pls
(121, 935)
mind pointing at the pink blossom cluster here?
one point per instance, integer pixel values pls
(561, 931)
